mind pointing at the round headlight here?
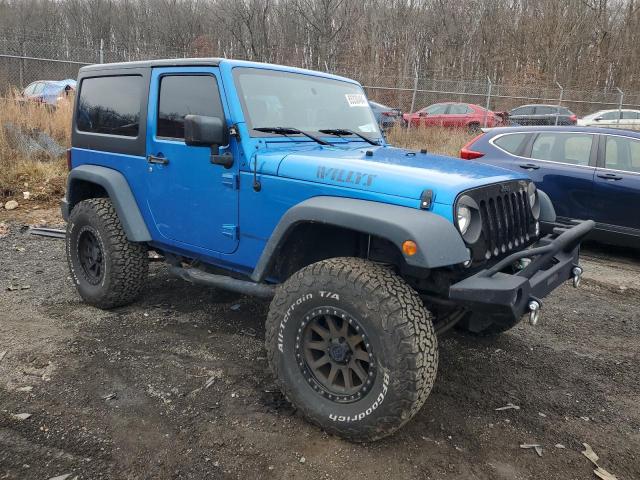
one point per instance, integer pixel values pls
(533, 193)
(464, 218)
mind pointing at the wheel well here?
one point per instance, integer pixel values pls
(309, 243)
(80, 190)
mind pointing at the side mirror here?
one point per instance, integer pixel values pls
(201, 131)
(597, 119)
(422, 114)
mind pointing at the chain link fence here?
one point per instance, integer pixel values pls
(24, 61)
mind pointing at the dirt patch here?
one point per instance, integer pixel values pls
(176, 386)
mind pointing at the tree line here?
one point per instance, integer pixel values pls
(585, 44)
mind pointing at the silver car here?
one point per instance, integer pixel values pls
(625, 118)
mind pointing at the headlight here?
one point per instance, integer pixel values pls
(533, 193)
(464, 218)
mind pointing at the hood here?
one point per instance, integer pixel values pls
(392, 171)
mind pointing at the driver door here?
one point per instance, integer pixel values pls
(193, 202)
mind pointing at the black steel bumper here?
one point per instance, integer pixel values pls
(507, 296)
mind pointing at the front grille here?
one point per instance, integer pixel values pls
(507, 222)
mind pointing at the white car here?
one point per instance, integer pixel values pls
(630, 119)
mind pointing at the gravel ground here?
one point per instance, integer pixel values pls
(123, 394)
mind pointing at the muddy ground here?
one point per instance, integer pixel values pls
(121, 394)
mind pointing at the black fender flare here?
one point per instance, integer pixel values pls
(119, 193)
(439, 242)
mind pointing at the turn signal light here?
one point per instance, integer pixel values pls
(409, 248)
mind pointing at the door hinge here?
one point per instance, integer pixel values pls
(231, 180)
(230, 230)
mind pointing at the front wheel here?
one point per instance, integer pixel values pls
(352, 346)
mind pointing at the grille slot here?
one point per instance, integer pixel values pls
(507, 222)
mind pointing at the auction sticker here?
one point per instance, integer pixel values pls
(356, 99)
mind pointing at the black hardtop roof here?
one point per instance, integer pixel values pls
(170, 62)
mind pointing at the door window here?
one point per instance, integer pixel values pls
(511, 142)
(437, 109)
(29, 90)
(629, 115)
(622, 153)
(522, 111)
(574, 148)
(610, 116)
(543, 110)
(182, 95)
(459, 109)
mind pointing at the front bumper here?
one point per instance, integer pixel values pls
(506, 297)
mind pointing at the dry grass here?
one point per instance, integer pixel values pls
(442, 141)
(41, 174)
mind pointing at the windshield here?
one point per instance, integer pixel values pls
(293, 100)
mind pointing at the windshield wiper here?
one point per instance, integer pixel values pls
(290, 131)
(340, 132)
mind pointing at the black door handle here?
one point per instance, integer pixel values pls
(529, 166)
(157, 160)
(610, 176)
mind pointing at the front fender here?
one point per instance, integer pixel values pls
(116, 186)
(439, 243)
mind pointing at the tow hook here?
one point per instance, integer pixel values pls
(577, 276)
(534, 312)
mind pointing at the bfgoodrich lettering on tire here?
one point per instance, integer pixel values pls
(352, 347)
(107, 269)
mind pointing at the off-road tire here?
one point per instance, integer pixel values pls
(482, 326)
(125, 263)
(398, 327)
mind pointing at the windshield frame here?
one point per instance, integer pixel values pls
(236, 72)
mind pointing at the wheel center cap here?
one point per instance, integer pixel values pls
(339, 351)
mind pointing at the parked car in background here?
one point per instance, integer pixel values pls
(455, 115)
(49, 92)
(589, 173)
(386, 116)
(624, 118)
(542, 115)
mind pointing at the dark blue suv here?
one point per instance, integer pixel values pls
(277, 182)
(588, 172)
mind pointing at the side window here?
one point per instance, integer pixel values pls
(622, 153)
(437, 109)
(29, 90)
(110, 105)
(574, 148)
(544, 110)
(629, 115)
(459, 109)
(38, 88)
(511, 142)
(609, 116)
(522, 111)
(182, 95)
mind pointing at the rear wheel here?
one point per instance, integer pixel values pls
(352, 346)
(107, 269)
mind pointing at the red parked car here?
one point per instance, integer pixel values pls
(454, 115)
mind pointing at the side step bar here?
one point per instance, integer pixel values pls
(225, 282)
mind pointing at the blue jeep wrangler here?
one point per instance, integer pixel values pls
(277, 182)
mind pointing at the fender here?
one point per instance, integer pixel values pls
(438, 240)
(119, 192)
(547, 212)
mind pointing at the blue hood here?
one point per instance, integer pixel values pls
(392, 171)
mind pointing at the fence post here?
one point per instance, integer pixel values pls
(559, 102)
(415, 90)
(488, 104)
(101, 50)
(620, 105)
